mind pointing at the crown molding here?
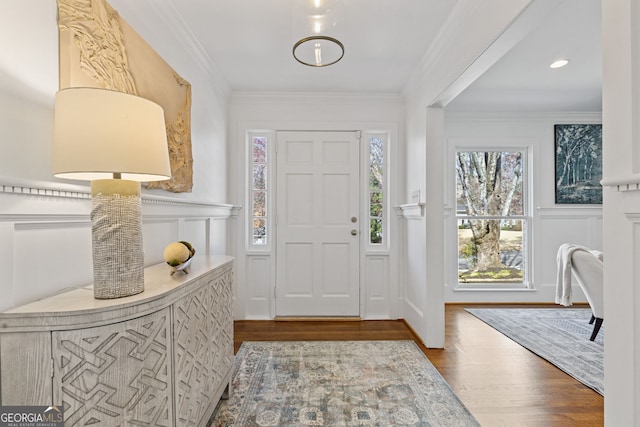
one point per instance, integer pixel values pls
(172, 19)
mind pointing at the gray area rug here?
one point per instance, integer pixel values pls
(559, 335)
(338, 383)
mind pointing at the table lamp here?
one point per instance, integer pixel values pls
(115, 140)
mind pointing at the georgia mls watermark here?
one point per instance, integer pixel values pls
(31, 416)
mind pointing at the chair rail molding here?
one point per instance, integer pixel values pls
(52, 189)
(569, 211)
(629, 182)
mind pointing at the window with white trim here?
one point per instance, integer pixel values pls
(491, 217)
(259, 234)
(377, 196)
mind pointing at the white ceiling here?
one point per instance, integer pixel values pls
(522, 79)
(249, 43)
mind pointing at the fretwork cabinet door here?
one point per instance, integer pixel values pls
(116, 375)
(203, 335)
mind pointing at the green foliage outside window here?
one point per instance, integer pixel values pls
(259, 187)
(376, 194)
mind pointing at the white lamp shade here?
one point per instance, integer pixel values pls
(99, 132)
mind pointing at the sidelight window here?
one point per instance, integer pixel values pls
(259, 200)
(376, 190)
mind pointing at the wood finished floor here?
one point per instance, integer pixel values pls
(500, 382)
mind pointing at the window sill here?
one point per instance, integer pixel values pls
(493, 289)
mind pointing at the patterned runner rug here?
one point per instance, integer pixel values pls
(338, 383)
(558, 335)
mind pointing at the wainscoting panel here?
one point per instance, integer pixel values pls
(158, 233)
(376, 295)
(196, 232)
(50, 256)
(218, 237)
(45, 236)
(377, 303)
(580, 227)
(258, 289)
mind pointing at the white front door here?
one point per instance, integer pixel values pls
(318, 224)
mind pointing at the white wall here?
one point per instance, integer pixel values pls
(471, 32)
(621, 143)
(45, 242)
(210, 92)
(272, 112)
(550, 224)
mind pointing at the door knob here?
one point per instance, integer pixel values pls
(354, 219)
(354, 232)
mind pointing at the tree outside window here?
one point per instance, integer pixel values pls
(376, 190)
(491, 220)
(258, 203)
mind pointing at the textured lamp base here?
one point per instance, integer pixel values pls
(116, 225)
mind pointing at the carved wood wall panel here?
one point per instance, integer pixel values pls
(117, 374)
(99, 49)
(203, 331)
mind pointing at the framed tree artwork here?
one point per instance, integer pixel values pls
(578, 163)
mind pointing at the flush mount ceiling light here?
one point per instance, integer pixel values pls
(559, 63)
(318, 51)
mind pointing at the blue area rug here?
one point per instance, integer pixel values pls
(558, 335)
(338, 383)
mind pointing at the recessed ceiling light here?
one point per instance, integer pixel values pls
(559, 63)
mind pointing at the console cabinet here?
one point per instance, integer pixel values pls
(159, 358)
